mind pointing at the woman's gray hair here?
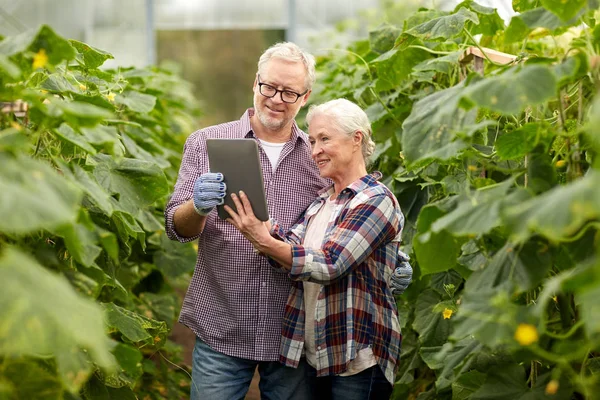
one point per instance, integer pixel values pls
(291, 52)
(348, 118)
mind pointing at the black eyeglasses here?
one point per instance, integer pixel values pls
(287, 96)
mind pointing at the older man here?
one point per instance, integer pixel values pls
(235, 301)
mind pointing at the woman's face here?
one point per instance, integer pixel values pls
(335, 152)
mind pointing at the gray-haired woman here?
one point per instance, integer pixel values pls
(341, 314)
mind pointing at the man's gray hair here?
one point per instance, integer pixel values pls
(291, 52)
(348, 118)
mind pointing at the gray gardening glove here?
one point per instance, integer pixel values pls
(402, 276)
(209, 191)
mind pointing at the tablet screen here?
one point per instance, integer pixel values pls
(239, 162)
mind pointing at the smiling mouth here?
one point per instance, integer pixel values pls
(322, 162)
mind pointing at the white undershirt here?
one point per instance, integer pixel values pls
(273, 151)
(315, 232)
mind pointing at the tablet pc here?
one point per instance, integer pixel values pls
(238, 161)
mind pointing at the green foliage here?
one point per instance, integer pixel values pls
(497, 172)
(85, 172)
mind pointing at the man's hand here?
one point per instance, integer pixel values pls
(402, 276)
(209, 191)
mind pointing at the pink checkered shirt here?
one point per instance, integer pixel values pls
(235, 301)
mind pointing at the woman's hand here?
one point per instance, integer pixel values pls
(256, 231)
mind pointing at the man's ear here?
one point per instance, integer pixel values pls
(305, 98)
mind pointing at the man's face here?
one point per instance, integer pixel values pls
(273, 113)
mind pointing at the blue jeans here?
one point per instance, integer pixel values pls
(369, 384)
(216, 376)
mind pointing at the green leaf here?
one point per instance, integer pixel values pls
(83, 110)
(430, 129)
(467, 384)
(525, 267)
(383, 38)
(137, 183)
(81, 239)
(518, 143)
(520, 25)
(57, 48)
(134, 327)
(489, 20)
(444, 64)
(10, 68)
(30, 381)
(476, 213)
(565, 10)
(39, 197)
(514, 90)
(559, 213)
(90, 56)
(446, 26)
(510, 382)
(42, 314)
(105, 137)
(136, 101)
(130, 362)
(12, 45)
(174, 259)
(68, 134)
(487, 315)
(452, 357)
(394, 66)
(590, 312)
(96, 193)
(436, 252)
(58, 83)
(431, 326)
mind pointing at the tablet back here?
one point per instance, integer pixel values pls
(239, 162)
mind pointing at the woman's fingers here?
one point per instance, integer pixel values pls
(238, 205)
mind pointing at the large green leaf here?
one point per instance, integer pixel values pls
(430, 130)
(444, 64)
(518, 143)
(174, 259)
(130, 362)
(41, 314)
(488, 316)
(395, 65)
(520, 25)
(489, 20)
(588, 299)
(559, 213)
(383, 38)
(57, 48)
(81, 239)
(433, 329)
(435, 251)
(510, 382)
(565, 10)
(451, 357)
(68, 134)
(90, 56)
(136, 101)
(137, 183)
(514, 90)
(29, 380)
(34, 196)
(446, 26)
(476, 213)
(135, 327)
(467, 384)
(105, 137)
(524, 266)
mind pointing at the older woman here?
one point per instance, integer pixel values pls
(340, 314)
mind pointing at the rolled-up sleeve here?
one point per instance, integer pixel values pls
(193, 164)
(366, 226)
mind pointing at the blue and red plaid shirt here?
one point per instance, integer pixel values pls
(356, 308)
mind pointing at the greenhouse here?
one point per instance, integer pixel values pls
(432, 200)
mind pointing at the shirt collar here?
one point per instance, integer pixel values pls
(355, 187)
(297, 133)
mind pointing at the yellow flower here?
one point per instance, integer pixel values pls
(447, 313)
(82, 87)
(16, 126)
(552, 387)
(110, 97)
(40, 59)
(560, 163)
(526, 334)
